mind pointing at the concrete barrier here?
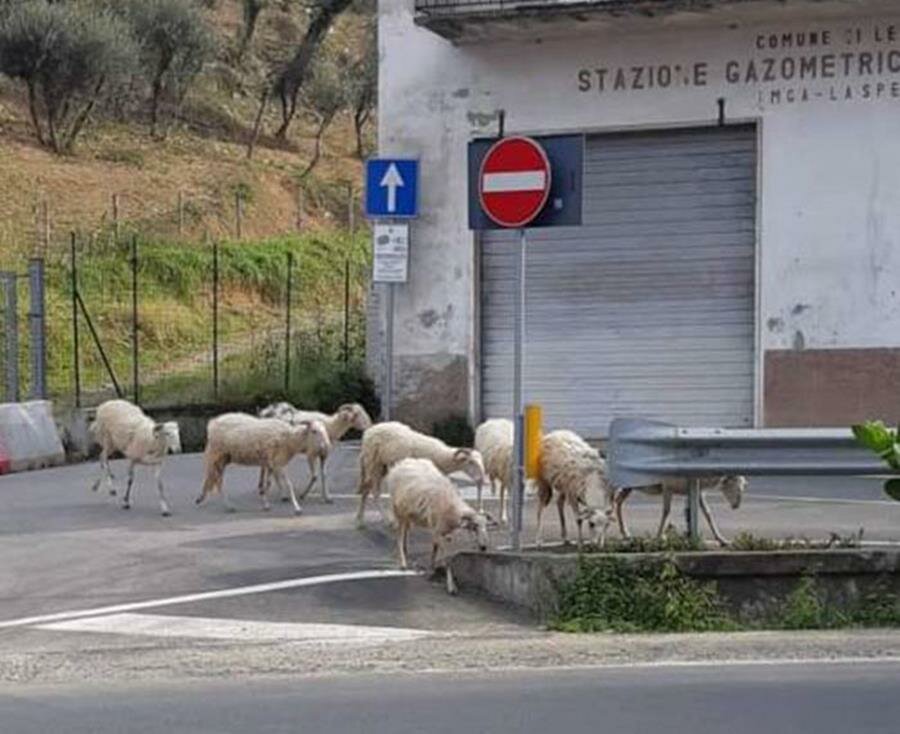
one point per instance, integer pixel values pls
(750, 583)
(28, 436)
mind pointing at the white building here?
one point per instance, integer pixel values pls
(738, 269)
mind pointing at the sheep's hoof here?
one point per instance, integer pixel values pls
(298, 510)
(126, 506)
(328, 500)
(112, 493)
(230, 510)
(167, 513)
(198, 501)
(285, 499)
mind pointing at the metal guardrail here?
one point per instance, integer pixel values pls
(452, 6)
(642, 452)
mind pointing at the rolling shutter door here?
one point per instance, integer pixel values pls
(647, 309)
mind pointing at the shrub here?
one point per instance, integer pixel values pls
(455, 430)
(69, 57)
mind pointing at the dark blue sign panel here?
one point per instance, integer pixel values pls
(392, 188)
(563, 209)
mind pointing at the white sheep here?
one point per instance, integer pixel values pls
(124, 427)
(732, 487)
(577, 473)
(238, 438)
(494, 440)
(385, 444)
(422, 496)
(347, 416)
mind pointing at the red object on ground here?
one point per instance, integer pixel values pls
(514, 183)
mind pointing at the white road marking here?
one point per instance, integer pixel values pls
(822, 500)
(207, 595)
(238, 630)
(497, 183)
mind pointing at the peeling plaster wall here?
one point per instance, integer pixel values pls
(828, 224)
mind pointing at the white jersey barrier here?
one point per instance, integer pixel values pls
(28, 436)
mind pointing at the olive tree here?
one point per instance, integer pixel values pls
(69, 56)
(324, 97)
(175, 42)
(362, 90)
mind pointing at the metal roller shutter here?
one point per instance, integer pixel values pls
(648, 308)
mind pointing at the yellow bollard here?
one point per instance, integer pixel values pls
(533, 421)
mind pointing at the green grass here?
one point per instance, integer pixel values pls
(175, 322)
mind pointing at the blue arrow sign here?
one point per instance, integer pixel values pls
(392, 188)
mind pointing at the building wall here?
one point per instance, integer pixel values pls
(829, 165)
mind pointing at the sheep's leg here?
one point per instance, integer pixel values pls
(326, 498)
(504, 515)
(282, 479)
(451, 583)
(666, 509)
(618, 501)
(361, 510)
(561, 509)
(264, 487)
(480, 500)
(126, 500)
(220, 486)
(709, 521)
(163, 505)
(402, 532)
(573, 502)
(312, 476)
(213, 475)
(105, 473)
(539, 538)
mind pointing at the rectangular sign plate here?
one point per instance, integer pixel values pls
(392, 188)
(391, 253)
(563, 209)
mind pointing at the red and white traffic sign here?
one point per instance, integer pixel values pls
(514, 182)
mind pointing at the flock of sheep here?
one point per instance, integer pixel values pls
(410, 467)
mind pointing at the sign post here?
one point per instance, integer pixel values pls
(513, 188)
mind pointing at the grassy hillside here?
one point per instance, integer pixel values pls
(178, 194)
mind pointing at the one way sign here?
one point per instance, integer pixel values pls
(392, 187)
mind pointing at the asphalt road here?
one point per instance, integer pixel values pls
(858, 698)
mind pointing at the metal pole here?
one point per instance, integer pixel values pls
(287, 325)
(99, 345)
(518, 483)
(180, 214)
(238, 214)
(215, 334)
(346, 311)
(351, 215)
(10, 285)
(76, 347)
(134, 321)
(115, 214)
(692, 509)
(389, 354)
(38, 329)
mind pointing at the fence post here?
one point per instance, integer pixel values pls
(215, 334)
(115, 214)
(238, 215)
(351, 213)
(346, 311)
(76, 347)
(11, 300)
(180, 214)
(287, 329)
(134, 321)
(38, 344)
(299, 208)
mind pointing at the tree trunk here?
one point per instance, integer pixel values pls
(82, 117)
(293, 75)
(252, 10)
(257, 124)
(33, 111)
(360, 118)
(317, 150)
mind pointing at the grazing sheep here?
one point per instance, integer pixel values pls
(732, 487)
(422, 496)
(571, 468)
(349, 415)
(494, 440)
(238, 438)
(121, 426)
(385, 444)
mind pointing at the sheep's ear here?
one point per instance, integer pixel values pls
(158, 428)
(462, 453)
(491, 520)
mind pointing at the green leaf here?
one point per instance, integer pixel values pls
(874, 435)
(892, 489)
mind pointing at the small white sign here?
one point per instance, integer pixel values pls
(391, 253)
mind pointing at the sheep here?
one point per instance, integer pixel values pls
(494, 439)
(732, 487)
(124, 427)
(571, 468)
(422, 496)
(347, 416)
(385, 444)
(239, 438)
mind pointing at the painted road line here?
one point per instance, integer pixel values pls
(208, 595)
(237, 630)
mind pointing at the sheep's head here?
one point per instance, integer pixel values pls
(478, 524)
(316, 436)
(355, 416)
(469, 462)
(733, 488)
(598, 521)
(169, 435)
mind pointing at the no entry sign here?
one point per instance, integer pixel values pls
(514, 181)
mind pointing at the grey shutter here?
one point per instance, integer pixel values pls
(648, 308)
